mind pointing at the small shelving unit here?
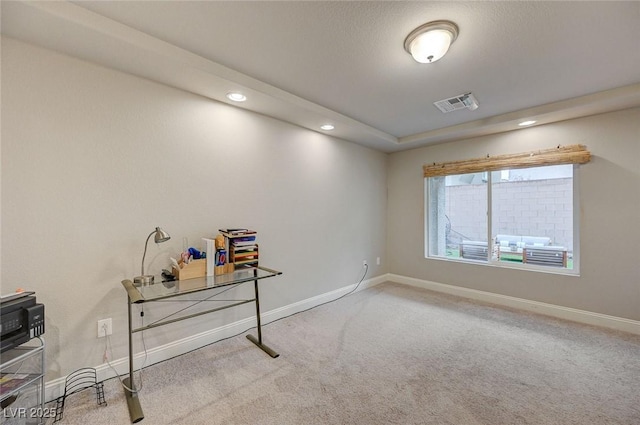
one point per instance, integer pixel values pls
(22, 384)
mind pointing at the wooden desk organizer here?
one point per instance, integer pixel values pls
(227, 268)
(196, 268)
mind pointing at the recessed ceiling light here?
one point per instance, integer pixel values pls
(327, 127)
(236, 97)
(526, 123)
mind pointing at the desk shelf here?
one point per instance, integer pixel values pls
(168, 289)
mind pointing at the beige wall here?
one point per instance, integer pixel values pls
(94, 159)
(609, 231)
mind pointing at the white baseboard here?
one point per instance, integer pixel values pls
(55, 388)
(576, 315)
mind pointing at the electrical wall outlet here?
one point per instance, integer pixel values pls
(378, 261)
(104, 328)
(364, 263)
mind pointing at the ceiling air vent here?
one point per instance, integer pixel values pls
(463, 101)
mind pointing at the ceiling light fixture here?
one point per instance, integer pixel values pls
(327, 127)
(526, 123)
(236, 97)
(431, 41)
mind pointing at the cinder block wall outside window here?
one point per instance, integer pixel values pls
(532, 208)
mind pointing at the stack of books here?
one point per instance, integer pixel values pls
(243, 248)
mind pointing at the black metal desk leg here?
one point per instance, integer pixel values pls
(253, 339)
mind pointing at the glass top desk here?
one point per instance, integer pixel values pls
(163, 290)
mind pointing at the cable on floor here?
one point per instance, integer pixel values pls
(366, 270)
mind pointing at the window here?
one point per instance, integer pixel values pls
(521, 217)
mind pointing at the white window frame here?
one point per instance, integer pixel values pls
(491, 262)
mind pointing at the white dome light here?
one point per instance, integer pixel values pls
(431, 41)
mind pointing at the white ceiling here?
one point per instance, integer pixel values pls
(311, 62)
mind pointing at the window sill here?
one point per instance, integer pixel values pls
(510, 265)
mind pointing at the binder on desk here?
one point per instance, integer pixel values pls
(210, 249)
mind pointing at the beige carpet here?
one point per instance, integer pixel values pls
(393, 354)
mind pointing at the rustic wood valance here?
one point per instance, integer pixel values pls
(575, 154)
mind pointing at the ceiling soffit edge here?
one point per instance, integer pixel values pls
(137, 53)
(134, 52)
(596, 103)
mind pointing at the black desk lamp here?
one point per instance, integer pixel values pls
(160, 236)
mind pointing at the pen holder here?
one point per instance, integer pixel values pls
(227, 268)
(195, 268)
